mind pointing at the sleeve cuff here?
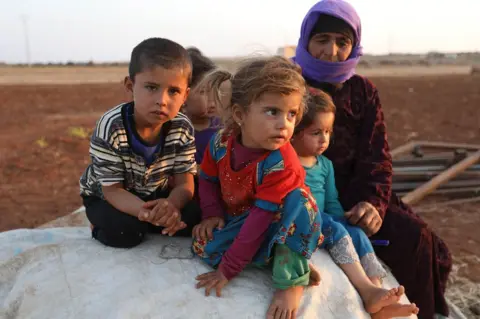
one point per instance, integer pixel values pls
(186, 169)
(266, 205)
(110, 181)
(208, 177)
(228, 274)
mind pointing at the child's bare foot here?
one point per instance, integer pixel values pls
(400, 291)
(396, 310)
(314, 276)
(285, 303)
(376, 281)
(375, 299)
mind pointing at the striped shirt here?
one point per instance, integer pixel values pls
(113, 160)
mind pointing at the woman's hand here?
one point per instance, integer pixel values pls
(366, 217)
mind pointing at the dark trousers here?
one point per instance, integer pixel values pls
(115, 228)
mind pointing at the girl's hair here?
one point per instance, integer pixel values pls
(318, 102)
(255, 77)
(201, 65)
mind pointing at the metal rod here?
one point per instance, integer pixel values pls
(438, 168)
(447, 145)
(405, 148)
(447, 159)
(409, 147)
(465, 191)
(430, 186)
(406, 175)
(423, 161)
(433, 155)
(451, 184)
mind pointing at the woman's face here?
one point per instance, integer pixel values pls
(331, 47)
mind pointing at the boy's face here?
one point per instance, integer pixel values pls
(158, 94)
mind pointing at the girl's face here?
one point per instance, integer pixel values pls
(330, 47)
(199, 105)
(268, 123)
(314, 140)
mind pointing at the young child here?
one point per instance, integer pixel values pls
(311, 138)
(255, 206)
(137, 146)
(200, 107)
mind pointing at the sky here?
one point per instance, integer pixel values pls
(107, 30)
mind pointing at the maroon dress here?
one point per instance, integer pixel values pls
(418, 258)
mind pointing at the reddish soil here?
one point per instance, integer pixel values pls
(41, 159)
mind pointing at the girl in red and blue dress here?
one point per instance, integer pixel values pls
(255, 206)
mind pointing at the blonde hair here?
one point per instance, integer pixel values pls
(318, 102)
(255, 77)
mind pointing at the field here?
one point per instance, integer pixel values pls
(44, 130)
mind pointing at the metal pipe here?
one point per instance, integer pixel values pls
(399, 176)
(451, 184)
(430, 186)
(405, 148)
(438, 168)
(460, 191)
(410, 146)
(447, 145)
(446, 159)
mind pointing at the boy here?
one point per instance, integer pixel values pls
(137, 146)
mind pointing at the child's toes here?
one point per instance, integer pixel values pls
(272, 310)
(400, 290)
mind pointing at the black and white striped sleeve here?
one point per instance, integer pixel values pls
(185, 155)
(108, 166)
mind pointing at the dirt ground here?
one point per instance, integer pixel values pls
(104, 74)
(44, 131)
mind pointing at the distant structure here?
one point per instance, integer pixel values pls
(287, 51)
(475, 70)
(441, 58)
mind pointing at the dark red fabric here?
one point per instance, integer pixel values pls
(418, 258)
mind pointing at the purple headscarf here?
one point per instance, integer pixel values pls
(324, 71)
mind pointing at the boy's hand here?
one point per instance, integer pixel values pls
(204, 230)
(161, 212)
(214, 279)
(147, 214)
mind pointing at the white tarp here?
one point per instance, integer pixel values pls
(62, 273)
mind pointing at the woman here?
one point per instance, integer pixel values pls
(328, 52)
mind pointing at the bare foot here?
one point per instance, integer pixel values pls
(285, 303)
(375, 299)
(376, 281)
(396, 310)
(400, 291)
(315, 277)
